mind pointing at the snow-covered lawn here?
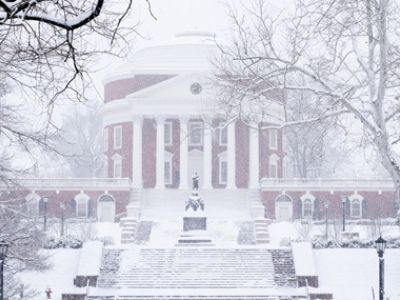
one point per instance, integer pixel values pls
(64, 264)
(351, 274)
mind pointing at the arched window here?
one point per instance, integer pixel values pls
(82, 204)
(355, 208)
(356, 202)
(32, 204)
(308, 208)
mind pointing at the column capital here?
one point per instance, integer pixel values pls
(137, 118)
(184, 118)
(160, 118)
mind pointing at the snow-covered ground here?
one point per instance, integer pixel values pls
(64, 265)
(352, 274)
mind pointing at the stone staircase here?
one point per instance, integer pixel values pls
(200, 296)
(261, 224)
(247, 273)
(109, 268)
(238, 268)
(130, 223)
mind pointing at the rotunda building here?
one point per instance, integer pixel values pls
(160, 127)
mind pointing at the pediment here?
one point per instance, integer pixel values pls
(185, 86)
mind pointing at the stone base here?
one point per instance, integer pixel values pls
(194, 223)
(194, 238)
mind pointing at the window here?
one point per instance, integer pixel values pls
(308, 208)
(117, 137)
(105, 140)
(81, 207)
(273, 167)
(223, 171)
(355, 208)
(117, 168)
(273, 139)
(222, 134)
(32, 204)
(168, 172)
(196, 133)
(168, 133)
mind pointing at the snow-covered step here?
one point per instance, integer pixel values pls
(261, 229)
(196, 268)
(129, 229)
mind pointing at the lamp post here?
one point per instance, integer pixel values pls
(380, 244)
(45, 201)
(344, 212)
(62, 208)
(326, 220)
(3, 254)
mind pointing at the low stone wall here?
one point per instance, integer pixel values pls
(73, 296)
(82, 281)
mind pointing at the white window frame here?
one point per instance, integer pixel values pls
(303, 199)
(222, 128)
(220, 177)
(168, 131)
(168, 180)
(117, 160)
(117, 142)
(303, 202)
(273, 139)
(352, 200)
(32, 203)
(191, 143)
(105, 139)
(273, 161)
(79, 199)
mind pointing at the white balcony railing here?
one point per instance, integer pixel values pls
(56, 183)
(326, 183)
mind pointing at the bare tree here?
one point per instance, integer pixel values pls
(347, 51)
(81, 141)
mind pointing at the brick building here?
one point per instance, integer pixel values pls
(160, 128)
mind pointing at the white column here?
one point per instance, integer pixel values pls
(137, 178)
(207, 155)
(254, 154)
(160, 153)
(183, 153)
(231, 156)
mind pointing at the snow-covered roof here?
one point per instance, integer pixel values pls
(187, 52)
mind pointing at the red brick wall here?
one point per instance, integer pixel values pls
(118, 89)
(125, 151)
(375, 205)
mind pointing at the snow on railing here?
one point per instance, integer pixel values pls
(74, 182)
(326, 183)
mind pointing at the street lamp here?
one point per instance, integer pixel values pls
(3, 254)
(45, 201)
(380, 245)
(62, 208)
(344, 199)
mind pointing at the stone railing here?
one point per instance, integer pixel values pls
(68, 183)
(268, 184)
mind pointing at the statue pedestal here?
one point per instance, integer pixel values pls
(194, 223)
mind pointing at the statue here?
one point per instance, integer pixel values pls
(194, 202)
(195, 180)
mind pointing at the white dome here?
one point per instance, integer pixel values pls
(190, 51)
